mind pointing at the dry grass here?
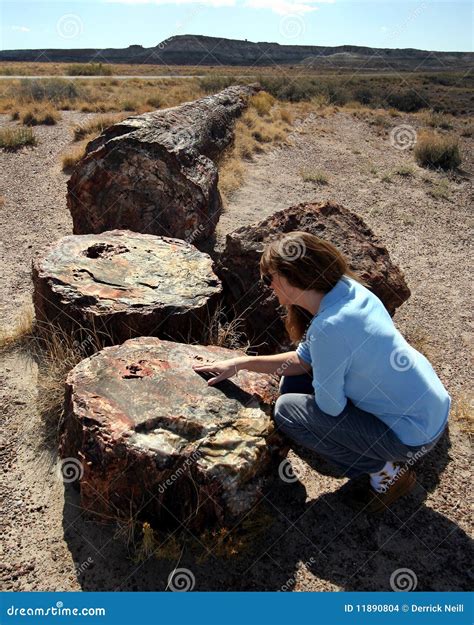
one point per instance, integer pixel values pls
(314, 175)
(406, 171)
(89, 69)
(35, 115)
(15, 138)
(94, 127)
(262, 126)
(56, 352)
(435, 119)
(262, 102)
(145, 541)
(21, 329)
(71, 158)
(437, 151)
(440, 189)
(463, 413)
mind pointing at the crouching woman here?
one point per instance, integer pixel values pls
(354, 391)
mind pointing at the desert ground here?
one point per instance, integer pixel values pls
(302, 536)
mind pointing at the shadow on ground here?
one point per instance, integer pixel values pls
(339, 545)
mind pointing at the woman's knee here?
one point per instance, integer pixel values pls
(286, 414)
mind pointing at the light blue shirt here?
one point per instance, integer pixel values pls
(357, 353)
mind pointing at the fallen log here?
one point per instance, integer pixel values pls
(156, 173)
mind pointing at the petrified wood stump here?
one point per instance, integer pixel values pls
(155, 173)
(124, 284)
(144, 432)
(238, 266)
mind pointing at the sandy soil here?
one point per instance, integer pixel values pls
(312, 538)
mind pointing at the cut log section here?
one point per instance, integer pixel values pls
(155, 173)
(123, 284)
(144, 434)
(238, 267)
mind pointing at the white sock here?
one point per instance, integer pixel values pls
(381, 480)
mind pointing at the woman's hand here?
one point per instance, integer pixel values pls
(221, 370)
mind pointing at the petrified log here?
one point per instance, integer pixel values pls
(144, 433)
(238, 266)
(121, 284)
(155, 173)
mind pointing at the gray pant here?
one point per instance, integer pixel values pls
(356, 441)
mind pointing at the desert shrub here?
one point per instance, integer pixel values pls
(214, 83)
(434, 150)
(364, 95)
(407, 101)
(52, 89)
(262, 102)
(294, 91)
(89, 69)
(15, 138)
(338, 95)
(155, 101)
(37, 115)
(435, 119)
(316, 176)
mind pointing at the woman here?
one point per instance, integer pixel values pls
(354, 391)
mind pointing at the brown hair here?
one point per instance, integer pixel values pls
(307, 262)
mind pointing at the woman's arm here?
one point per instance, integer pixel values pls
(287, 363)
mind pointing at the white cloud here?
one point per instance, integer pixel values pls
(21, 29)
(282, 7)
(212, 3)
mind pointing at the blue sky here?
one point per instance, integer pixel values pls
(423, 24)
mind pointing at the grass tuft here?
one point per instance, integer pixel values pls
(437, 151)
(15, 138)
(314, 175)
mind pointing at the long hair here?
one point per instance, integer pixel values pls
(307, 262)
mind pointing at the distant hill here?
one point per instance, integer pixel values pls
(201, 50)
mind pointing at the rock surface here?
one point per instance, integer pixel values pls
(155, 173)
(126, 284)
(145, 433)
(238, 266)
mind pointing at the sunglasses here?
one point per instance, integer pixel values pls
(267, 279)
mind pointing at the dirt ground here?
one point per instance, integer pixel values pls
(312, 539)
